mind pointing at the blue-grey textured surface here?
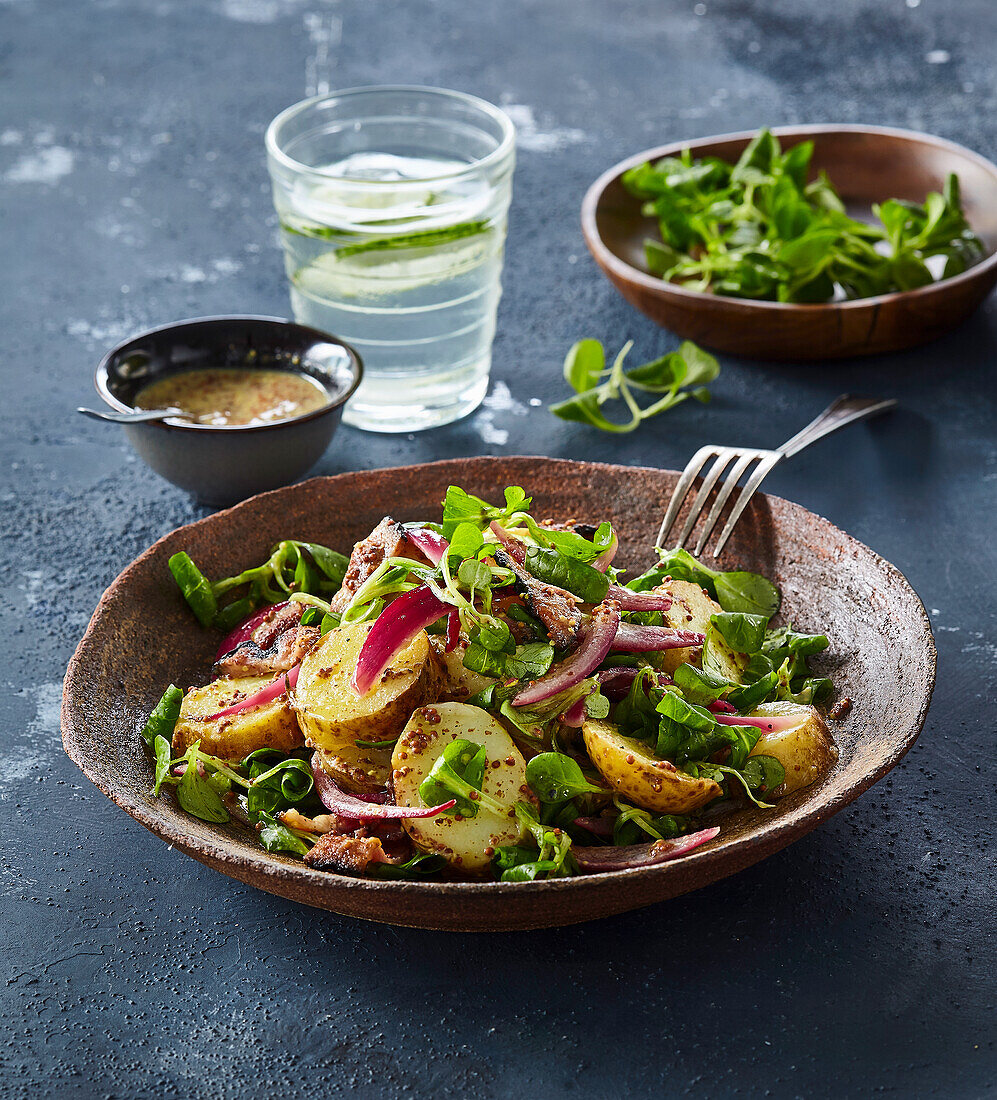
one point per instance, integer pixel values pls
(133, 192)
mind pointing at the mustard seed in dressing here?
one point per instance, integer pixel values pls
(234, 396)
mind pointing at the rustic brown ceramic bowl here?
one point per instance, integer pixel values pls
(142, 637)
(867, 164)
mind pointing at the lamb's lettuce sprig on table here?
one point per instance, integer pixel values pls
(669, 379)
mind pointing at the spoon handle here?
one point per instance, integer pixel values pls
(138, 417)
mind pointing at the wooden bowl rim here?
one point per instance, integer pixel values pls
(268, 872)
(608, 259)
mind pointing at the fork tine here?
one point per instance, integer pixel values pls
(728, 487)
(718, 467)
(694, 465)
(760, 472)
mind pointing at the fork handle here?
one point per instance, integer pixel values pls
(840, 412)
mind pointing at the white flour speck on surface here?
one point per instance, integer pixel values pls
(261, 12)
(534, 139)
(40, 739)
(194, 274)
(488, 432)
(11, 137)
(226, 266)
(500, 400)
(102, 332)
(49, 165)
(937, 57)
(251, 11)
(325, 32)
(34, 582)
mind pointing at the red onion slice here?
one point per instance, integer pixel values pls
(453, 631)
(622, 858)
(595, 641)
(638, 601)
(605, 559)
(245, 630)
(631, 638)
(515, 548)
(574, 716)
(284, 682)
(434, 546)
(718, 706)
(392, 631)
(597, 826)
(614, 683)
(776, 724)
(335, 799)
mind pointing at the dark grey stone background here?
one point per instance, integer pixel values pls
(133, 192)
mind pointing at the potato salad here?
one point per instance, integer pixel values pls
(487, 696)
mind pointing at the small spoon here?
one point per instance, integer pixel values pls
(139, 417)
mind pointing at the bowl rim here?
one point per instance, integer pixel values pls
(609, 261)
(102, 372)
(274, 872)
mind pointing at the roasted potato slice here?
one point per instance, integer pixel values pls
(468, 843)
(272, 725)
(333, 718)
(458, 682)
(805, 750)
(691, 609)
(640, 777)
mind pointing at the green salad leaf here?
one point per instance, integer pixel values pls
(165, 714)
(553, 567)
(196, 794)
(458, 773)
(460, 507)
(293, 567)
(276, 837)
(550, 857)
(554, 777)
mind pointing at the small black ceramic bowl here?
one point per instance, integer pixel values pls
(224, 464)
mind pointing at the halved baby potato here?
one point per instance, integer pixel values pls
(458, 682)
(691, 610)
(333, 717)
(272, 725)
(467, 843)
(805, 750)
(640, 777)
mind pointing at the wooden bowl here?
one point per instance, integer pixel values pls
(142, 636)
(867, 164)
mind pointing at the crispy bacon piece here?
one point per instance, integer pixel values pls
(387, 540)
(346, 854)
(554, 607)
(277, 644)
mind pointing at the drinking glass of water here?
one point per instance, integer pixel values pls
(392, 204)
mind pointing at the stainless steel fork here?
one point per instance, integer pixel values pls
(839, 413)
